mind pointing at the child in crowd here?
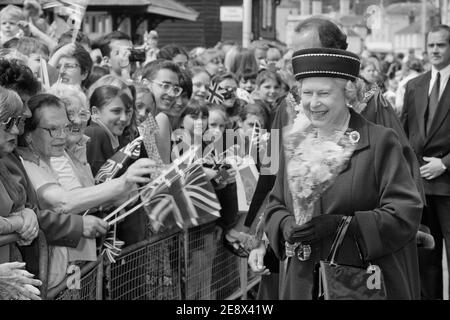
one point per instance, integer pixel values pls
(247, 80)
(212, 61)
(268, 85)
(145, 109)
(231, 103)
(200, 83)
(34, 50)
(182, 100)
(145, 104)
(193, 123)
(273, 56)
(9, 23)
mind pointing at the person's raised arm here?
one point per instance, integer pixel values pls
(81, 199)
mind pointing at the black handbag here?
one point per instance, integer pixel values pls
(343, 282)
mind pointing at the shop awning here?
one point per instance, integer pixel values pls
(171, 8)
(168, 8)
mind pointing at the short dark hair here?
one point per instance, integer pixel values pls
(265, 75)
(257, 110)
(223, 76)
(194, 107)
(36, 103)
(170, 51)
(104, 43)
(441, 27)
(247, 74)
(151, 69)
(105, 94)
(83, 57)
(186, 82)
(18, 77)
(330, 35)
(11, 43)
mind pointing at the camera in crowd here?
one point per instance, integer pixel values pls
(137, 55)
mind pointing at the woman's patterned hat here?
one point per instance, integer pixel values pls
(325, 62)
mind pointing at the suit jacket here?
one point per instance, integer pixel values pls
(437, 142)
(378, 190)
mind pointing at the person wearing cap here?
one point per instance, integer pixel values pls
(375, 188)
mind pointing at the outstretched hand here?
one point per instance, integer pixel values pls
(18, 284)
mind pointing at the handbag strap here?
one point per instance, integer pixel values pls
(342, 230)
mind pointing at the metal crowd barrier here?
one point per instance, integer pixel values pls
(179, 265)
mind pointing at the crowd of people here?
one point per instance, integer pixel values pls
(67, 106)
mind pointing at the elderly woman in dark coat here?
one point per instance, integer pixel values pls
(375, 187)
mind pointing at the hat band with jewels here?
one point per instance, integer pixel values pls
(325, 62)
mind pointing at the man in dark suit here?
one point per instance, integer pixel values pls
(426, 121)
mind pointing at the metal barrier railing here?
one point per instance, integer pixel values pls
(149, 270)
(190, 265)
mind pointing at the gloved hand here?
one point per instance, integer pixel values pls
(287, 227)
(318, 228)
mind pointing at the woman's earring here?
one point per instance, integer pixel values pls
(349, 105)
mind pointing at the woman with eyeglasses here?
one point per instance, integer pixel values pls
(15, 217)
(73, 63)
(45, 137)
(78, 113)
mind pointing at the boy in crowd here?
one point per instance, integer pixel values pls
(9, 23)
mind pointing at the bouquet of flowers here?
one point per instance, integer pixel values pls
(313, 162)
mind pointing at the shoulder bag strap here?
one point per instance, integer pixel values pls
(342, 230)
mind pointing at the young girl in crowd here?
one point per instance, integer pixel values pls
(112, 127)
(200, 83)
(247, 80)
(268, 89)
(193, 123)
(145, 109)
(232, 105)
(145, 104)
(253, 119)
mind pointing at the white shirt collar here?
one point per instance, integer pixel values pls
(445, 75)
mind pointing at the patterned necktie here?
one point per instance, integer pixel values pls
(433, 101)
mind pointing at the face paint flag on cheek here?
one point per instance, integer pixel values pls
(216, 93)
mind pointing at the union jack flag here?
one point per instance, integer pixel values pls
(119, 160)
(201, 194)
(216, 93)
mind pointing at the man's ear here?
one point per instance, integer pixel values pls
(105, 62)
(94, 110)
(28, 139)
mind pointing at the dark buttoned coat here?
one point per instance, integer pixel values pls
(377, 188)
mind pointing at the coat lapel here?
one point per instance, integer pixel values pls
(421, 98)
(441, 112)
